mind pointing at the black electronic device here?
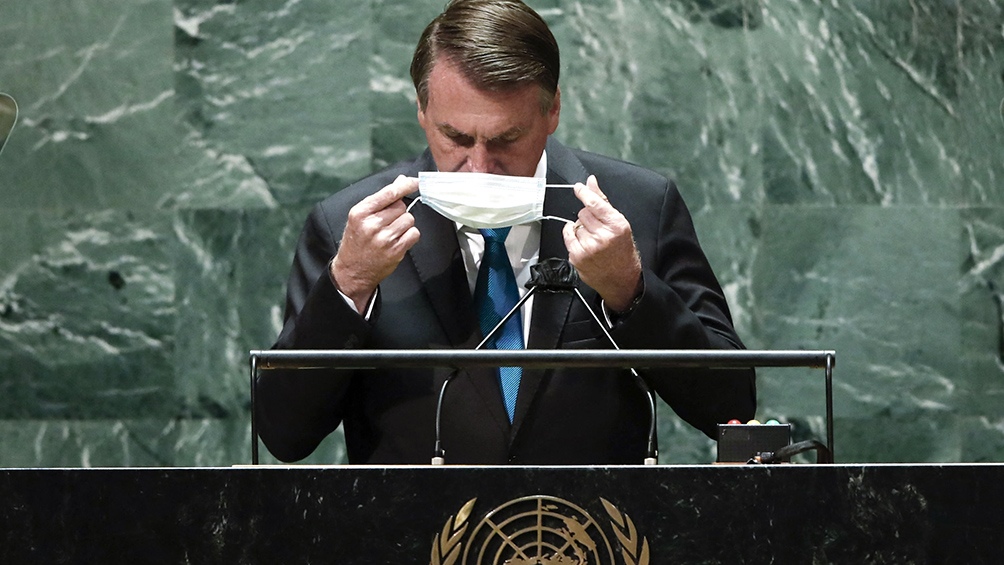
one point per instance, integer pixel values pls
(741, 443)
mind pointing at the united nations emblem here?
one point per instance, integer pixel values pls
(538, 530)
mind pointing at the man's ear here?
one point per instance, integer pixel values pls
(555, 112)
(421, 112)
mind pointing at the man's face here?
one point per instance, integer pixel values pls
(479, 131)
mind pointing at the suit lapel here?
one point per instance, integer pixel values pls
(439, 265)
(550, 310)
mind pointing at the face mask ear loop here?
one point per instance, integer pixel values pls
(557, 218)
(413, 202)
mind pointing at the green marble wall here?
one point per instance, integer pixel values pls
(843, 160)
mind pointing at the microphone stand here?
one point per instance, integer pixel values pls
(555, 276)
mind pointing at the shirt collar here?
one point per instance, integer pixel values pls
(541, 171)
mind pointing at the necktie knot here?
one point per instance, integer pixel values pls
(495, 235)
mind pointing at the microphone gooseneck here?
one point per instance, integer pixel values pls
(558, 275)
(555, 276)
(651, 451)
(439, 455)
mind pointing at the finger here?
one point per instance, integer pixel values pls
(388, 215)
(399, 244)
(400, 225)
(571, 238)
(407, 240)
(594, 185)
(588, 221)
(592, 200)
(379, 209)
(576, 227)
(590, 191)
(597, 212)
(388, 195)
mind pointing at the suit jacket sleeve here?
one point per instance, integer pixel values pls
(296, 409)
(683, 307)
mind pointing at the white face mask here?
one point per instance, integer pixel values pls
(483, 200)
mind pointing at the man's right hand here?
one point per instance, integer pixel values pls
(378, 233)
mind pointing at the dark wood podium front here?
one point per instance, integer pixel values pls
(597, 515)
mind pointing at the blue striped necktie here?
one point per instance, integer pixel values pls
(495, 294)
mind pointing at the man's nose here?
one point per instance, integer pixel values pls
(480, 159)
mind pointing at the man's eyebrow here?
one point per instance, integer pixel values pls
(450, 130)
(507, 135)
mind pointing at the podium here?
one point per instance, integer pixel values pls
(366, 515)
(638, 515)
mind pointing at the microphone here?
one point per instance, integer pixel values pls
(439, 455)
(556, 275)
(561, 274)
(8, 116)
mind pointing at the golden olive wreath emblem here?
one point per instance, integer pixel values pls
(537, 530)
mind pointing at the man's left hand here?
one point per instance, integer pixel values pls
(601, 247)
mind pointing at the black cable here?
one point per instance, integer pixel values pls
(822, 453)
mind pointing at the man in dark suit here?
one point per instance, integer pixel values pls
(368, 273)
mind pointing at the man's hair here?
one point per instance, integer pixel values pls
(497, 44)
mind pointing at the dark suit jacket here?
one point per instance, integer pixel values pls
(573, 416)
